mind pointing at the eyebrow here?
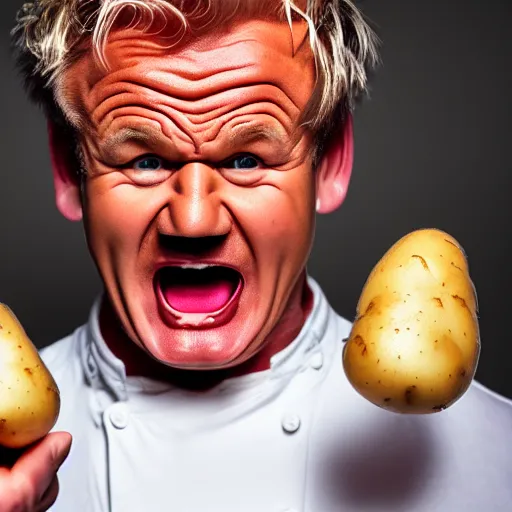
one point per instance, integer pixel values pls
(141, 134)
(248, 133)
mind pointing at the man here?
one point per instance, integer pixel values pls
(196, 140)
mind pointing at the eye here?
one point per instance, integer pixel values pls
(148, 163)
(242, 162)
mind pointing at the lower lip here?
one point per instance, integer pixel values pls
(179, 320)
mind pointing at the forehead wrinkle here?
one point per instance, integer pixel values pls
(189, 76)
(188, 115)
(195, 59)
(243, 132)
(243, 108)
(197, 129)
(197, 115)
(161, 88)
(164, 79)
(194, 98)
(173, 124)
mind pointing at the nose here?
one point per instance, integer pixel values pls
(195, 206)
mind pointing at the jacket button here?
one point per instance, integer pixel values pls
(118, 415)
(317, 361)
(291, 423)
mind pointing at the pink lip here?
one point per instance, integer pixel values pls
(179, 320)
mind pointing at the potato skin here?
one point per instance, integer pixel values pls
(29, 396)
(415, 342)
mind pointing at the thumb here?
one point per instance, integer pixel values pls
(41, 462)
(59, 446)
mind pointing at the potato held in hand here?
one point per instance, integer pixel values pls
(29, 397)
(415, 344)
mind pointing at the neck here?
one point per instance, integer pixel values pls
(139, 363)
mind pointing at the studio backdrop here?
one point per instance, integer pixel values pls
(432, 150)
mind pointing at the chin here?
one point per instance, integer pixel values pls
(207, 349)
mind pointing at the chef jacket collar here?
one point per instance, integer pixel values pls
(104, 371)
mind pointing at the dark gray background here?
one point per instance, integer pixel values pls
(432, 150)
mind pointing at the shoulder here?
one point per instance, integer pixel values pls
(486, 411)
(483, 393)
(64, 360)
(58, 356)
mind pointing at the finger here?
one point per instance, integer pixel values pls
(49, 497)
(34, 471)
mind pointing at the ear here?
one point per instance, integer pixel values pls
(333, 173)
(67, 188)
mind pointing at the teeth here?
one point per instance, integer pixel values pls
(196, 266)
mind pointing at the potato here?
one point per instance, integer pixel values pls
(415, 342)
(29, 397)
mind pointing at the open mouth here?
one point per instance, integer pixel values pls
(194, 295)
(198, 290)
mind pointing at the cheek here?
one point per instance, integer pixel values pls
(279, 217)
(117, 215)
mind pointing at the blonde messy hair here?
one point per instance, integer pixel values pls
(50, 35)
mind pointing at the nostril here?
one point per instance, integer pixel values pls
(195, 246)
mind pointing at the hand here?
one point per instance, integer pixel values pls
(31, 484)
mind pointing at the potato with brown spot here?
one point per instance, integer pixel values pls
(417, 315)
(29, 397)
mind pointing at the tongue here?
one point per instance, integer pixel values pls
(197, 291)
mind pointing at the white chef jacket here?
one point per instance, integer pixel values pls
(295, 438)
